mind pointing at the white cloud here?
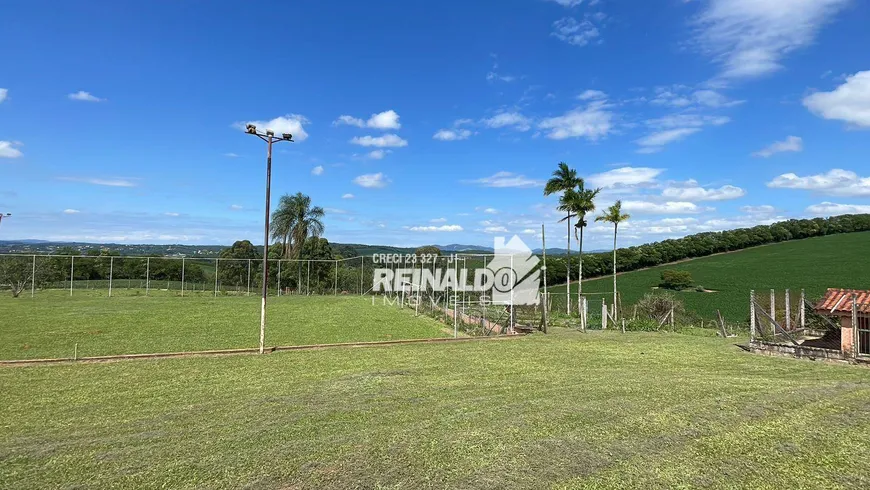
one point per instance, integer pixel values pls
(574, 32)
(833, 209)
(836, 182)
(495, 76)
(290, 123)
(452, 134)
(662, 138)
(750, 37)
(568, 3)
(385, 141)
(763, 210)
(438, 220)
(592, 95)
(376, 154)
(670, 207)
(318, 170)
(675, 127)
(506, 179)
(691, 191)
(172, 214)
(486, 210)
(513, 120)
(116, 182)
(84, 97)
(592, 122)
(231, 155)
(347, 196)
(236, 207)
(8, 149)
(529, 231)
(850, 102)
(792, 143)
(495, 229)
(3, 94)
(382, 120)
(624, 176)
(71, 211)
(436, 228)
(372, 181)
(682, 96)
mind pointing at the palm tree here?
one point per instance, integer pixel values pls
(583, 204)
(294, 221)
(564, 179)
(614, 215)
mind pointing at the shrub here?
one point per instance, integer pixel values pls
(642, 325)
(677, 280)
(655, 306)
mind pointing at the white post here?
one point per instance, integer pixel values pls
(752, 315)
(803, 309)
(455, 310)
(249, 277)
(856, 347)
(787, 310)
(111, 273)
(335, 279)
(513, 283)
(182, 277)
(308, 279)
(603, 314)
(72, 270)
(419, 286)
(33, 279)
(147, 275)
(361, 266)
(216, 264)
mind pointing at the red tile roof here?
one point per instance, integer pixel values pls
(840, 301)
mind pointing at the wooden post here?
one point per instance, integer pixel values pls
(148, 275)
(623, 325)
(335, 280)
(752, 315)
(182, 277)
(773, 305)
(33, 279)
(72, 271)
(672, 318)
(603, 314)
(787, 310)
(544, 273)
(111, 271)
(803, 310)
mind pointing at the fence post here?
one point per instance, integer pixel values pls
(455, 297)
(361, 265)
(603, 314)
(33, 278)
(773, 306)
(249, 277)
(182, 277)
(308, 279)
(72, 272)
(855, 347)
(335, 280)
(803, 310)
(216, 265)
(148, 275)
(279, 277)
(787, 310)
(111, 273)
(752, 315)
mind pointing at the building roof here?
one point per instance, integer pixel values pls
(840, 301)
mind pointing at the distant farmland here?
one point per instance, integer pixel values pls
(813, 264)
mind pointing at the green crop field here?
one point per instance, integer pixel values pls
(52, 323)
(566, 410)
(813, 264)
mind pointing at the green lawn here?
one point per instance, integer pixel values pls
(568, 410)
(52, 323)
(814, 264)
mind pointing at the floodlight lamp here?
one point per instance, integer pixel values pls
(269, 132)
(287, 136)
(251, 129)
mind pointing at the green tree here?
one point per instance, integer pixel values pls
(15, 273)
(579, 202)
(563, 180)
(427, 250)
(676, 280)
(294, 221)
(235, 272)
(614, 215)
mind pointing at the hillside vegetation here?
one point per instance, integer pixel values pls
(813, 264)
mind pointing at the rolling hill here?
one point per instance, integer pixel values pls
(813, 264)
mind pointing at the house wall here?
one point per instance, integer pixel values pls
(847, 336)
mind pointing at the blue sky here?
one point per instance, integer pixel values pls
(429, 122)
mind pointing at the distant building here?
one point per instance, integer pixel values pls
(852, 308)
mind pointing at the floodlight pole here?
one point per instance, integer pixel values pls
(270, 138)
(4, 216)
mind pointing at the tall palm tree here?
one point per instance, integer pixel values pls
(614, 215)
(294, 221)
(584, 203)
(564, 179)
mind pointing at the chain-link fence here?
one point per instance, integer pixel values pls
(787, 317)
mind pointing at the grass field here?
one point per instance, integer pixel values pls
(51, 324)
(568, 410)
(814, 264)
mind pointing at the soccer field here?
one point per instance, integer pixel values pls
(568, 410)
(53, 325)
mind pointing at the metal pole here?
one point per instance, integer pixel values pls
(249, 277)
(752, 315)
(335, 280)
(513, 282)
(147, 275)
(773, 306)
(455, 280)
(361, 267)
(111, 273)
(803, 318)
(279, 277)
(787, 310)
(544, 273)
(308, 279)
(216, 264)
(33, 279)
(266, 244)
(72, 270)
(182, 277)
